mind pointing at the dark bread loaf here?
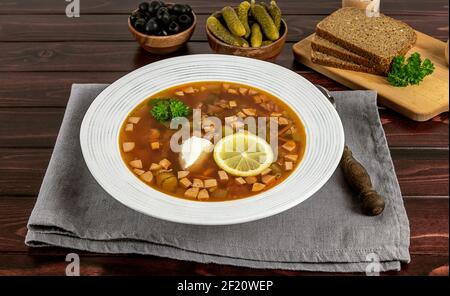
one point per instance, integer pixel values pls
(323, 45)
(331, 61)
(379, 39)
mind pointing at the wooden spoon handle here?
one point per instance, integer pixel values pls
(359, 180)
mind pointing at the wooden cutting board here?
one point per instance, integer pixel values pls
(418, 102)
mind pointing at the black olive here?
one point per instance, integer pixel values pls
(178, 9)
(163, 15)
(155, 6)
(161, 11)
(146, 16)
(187, 8)
(174, 28)
(139, 24)
(173, 18)
(166, 19)
(134, 16)
(151, 10)
(143, 7)
(185, 21)
(152, 27)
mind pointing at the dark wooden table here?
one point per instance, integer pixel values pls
(42, 52)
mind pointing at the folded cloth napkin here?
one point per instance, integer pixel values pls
(327, 232)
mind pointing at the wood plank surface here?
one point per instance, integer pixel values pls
(429, 7)
(38, 127)
(52, 89)
(26, 28)
(428, 218)
(429, 225)
(98, 56)
(134, 265)
(43, 52)
(420, 172)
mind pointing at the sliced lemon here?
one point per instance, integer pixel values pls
(243, 154)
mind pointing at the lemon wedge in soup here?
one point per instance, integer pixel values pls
(243, 154)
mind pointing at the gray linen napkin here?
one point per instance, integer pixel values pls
(327, 232)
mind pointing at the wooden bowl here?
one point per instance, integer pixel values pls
(268, 52)
(163, 44)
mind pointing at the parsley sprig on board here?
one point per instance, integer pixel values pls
(166, 108)
(412, 72)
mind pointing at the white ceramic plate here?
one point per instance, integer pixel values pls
(99, 137)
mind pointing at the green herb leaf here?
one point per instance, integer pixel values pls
(413, 72)
(179, 109)
(153, 102)
(160, 112)
(165, 109)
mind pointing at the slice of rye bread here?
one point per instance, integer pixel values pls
(331, 61)
(329, 48)
(378, 39)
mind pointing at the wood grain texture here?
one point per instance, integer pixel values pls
(408, 133)
(52, 89)
(38, 127)
(36, 28)
(97, 56)
(429, 224)
(46, 89)
(422, 177)
(133, 265)
(29, 127)
(428, 218)
(419, 103)
(43, 52)
(22, 171)
(429, 7)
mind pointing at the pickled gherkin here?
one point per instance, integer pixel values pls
(242, 13)
(218, 30)
(265, 21)
(264, 4)
(217, 14)
(233, 23)
(256, 37)
(251, 23)
(244, 42)
(275, 13)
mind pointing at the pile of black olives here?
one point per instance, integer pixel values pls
(160, 19)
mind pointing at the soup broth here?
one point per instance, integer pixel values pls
(144, 142)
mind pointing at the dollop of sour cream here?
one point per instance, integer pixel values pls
(194, 152)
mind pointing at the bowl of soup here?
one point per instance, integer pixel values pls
(211, 139)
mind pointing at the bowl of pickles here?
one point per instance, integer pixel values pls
(162, 28)
(254, 30)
